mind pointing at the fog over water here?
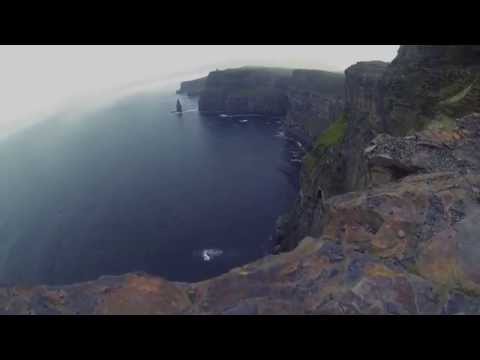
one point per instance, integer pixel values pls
(38, 80)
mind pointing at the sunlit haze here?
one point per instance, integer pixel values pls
(36, 80)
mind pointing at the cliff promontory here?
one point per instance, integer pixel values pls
(247, 90)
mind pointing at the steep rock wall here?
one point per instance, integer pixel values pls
(362, 98)
(315, 100)
(424, 88)
(308, 99)
(246, 91)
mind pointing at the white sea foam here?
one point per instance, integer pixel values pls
(209, 254)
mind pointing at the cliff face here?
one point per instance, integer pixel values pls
(315, 100)
(322, 175)
(246, 91)
(362, 98)
(335, 164)
(309, 99)
(425, 87)
(192, 87)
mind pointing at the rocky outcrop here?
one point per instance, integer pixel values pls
(247, 90)
(424, 88)
(192, 87)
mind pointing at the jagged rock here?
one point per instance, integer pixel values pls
(391, 158)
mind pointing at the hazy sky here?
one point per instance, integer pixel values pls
(34, 80)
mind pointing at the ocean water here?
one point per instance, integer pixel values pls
(135, 187)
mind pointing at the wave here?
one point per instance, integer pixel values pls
(210, 254)
(239, 115)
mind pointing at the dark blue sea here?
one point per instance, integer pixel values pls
(134, 187)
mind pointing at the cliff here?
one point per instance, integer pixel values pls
(192, 87)
(315, 99)
(424, 88)
(308, 99)
(363, 94)
(335, 164)
(386, 221)
(247, 90)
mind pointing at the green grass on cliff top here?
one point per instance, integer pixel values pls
(334, 135)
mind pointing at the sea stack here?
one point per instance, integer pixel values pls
(179, 106)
